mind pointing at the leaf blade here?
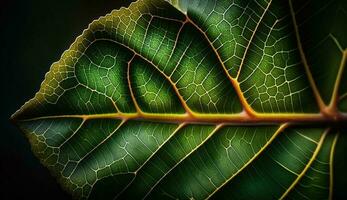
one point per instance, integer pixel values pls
(152, 75)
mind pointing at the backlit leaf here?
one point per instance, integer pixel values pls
(239, 99)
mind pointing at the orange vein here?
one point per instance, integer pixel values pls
(183, 103)
(247, 108)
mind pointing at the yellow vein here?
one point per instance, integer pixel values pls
(286, 168)
(100, 93)
(334, 98)
(102, 142)
(176, 41)
(149, 158)
(313, 85)
(306, 137)
(303, 172)
(336, 42)
(273, 137)
(342, 96)
(331, 169)
(218, 127)
(73, 133)
(174, 133)
(137, 107)
(184, 104)
(251, 39)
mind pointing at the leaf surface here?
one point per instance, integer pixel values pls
(196, 99)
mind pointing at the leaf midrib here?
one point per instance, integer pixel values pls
(209, 118)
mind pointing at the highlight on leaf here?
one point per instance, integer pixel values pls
(197, 99)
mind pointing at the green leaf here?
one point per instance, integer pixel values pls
(197, 99)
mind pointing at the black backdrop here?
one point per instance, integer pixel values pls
(34, 33)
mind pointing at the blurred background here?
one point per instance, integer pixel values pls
(33, 35)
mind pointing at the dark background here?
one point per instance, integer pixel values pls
(34, 34)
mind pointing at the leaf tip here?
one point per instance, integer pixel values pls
(13, 118)
(21, 113)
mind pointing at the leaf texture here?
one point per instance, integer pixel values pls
(239, 99)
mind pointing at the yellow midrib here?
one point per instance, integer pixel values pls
(209, 118)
